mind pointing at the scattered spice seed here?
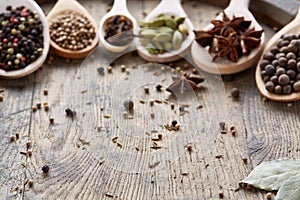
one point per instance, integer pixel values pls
(107, 116)
(34, 108)
(199, 107)
(235, 93)
(38, 105)
(158, 101)
(160, 136)
(219, 156)
(100, 71)
(30, 183)
(123, 68)
(222, 125)
(142, 101)
(137, 149)
(127, 71)
(45, 169)
(70, 113)
(172, 106)
(46, 107)
(1, 97)
(109, 195)
(128, 104)
(45, 91)
(184, 173)
(12, 138)
(119, 145)
(151, 166)
(151, 102)
(28, 144)
(189, 147)
(29, 153)
(269, 195)
(174, 122)
(99, 128)
(17, 135)
(23, 153)
(51, 120)
(155, 147)
(245, 160)
(109, 69)
(233, 132)
(114, 139)
(158, 87)
(221, 195)
(232, 127)
(152, 115)
(146, 90)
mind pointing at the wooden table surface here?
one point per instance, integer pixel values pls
(100, 154)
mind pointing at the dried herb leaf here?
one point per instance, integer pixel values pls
(290, 189)
(271, 175)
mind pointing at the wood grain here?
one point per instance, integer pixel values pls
(85, 163)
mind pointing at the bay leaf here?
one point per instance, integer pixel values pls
(290, 189)
(271, 175)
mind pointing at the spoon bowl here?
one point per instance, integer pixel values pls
(119, 8)
(36, 64)
(171, 8)
(292, 28)
(72, 5)
(204, 61)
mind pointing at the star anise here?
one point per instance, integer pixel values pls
(227, 46)
(226, 26)
(203, 38)
(250, 39)
(181, 85)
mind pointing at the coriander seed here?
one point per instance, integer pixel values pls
(45, 92)
(12, 138)
(146, 90)
(30, 183)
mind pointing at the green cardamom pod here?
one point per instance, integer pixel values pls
(177, 40)
(148, 33)
(171, 23)
(162, 37)
(179, 20)
(165, 29)
(158, 46)
(167, 46)
(157, 22)
(151, 48)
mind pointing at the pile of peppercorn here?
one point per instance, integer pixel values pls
(21, 37)
(280, 68)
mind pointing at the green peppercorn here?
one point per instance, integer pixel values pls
(14, 31)
(10, 51)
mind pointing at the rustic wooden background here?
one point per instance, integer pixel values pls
(88, 162)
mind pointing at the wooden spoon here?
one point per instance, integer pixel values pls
(119, 8)
(73, 5)
(36, 64)
(168, 7)
(203, 59)
(292, 28)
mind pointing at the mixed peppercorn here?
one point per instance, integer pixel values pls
(280, 68)
(21, 37)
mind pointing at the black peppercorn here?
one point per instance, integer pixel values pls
(45, 168)
(173, 123)
(158, 87)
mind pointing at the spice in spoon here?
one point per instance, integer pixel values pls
(71, 30)
(118, 30)
(229, 37)
(21, 37)
(280, 67)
